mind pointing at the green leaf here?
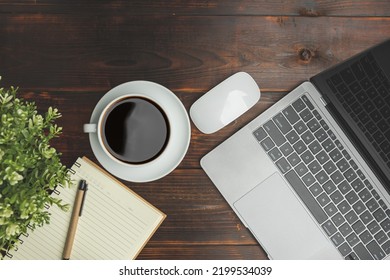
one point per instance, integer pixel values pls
(29, 166)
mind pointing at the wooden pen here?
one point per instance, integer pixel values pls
(76, 213)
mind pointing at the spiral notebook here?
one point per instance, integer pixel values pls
(115, 224)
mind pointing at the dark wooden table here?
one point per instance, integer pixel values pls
(68, 54)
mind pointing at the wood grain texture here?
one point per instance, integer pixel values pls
(76, 109)
(68, 54)
(200, 7)
(190, 54)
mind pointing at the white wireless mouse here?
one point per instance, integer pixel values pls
(225, 102)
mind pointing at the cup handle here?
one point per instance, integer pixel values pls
(90, 128)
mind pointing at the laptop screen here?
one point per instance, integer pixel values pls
(358, 92)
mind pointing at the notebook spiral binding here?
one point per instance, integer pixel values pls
(26, 235)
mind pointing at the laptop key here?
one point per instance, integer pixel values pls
(365, 237)
(274, 133)
(343, 165)
(351, 217)
(344, 187)
(335, 155)
(323, 199)
(375, 250)
(330, 167)
(321, 135)
(329, 187)
(267, 144)
(386, 225)
(357, 185)
(307, 102)
(300, 147)
(286, 149)
(329, 228)
(345, 229)
(283, 165)
(322, 157)
(372, 205)
(316, 189)
(346, 155)
(337, 239)
(353, 164)
(350, 175)
(366, 217)
(330, 209)
(291, 115)
(359, 207)
(375, 194)
(282, 123)
(324, 125)
(315, 147)
(328, 145)
(358, 227)
(360, 174)
(336, 197)
(338, 219)
(362, 252)
(344, 207)
(351, 197)
(365, 195)
(308, 179)
(275, 154)
(379, 215)
(345, 249)
(307, 157)
(380, 237)
(299, 105)
(386, 247)
(301, 169)
(260, 134)
(314, 167)
(292, 137)
(313, 125)
(373, 227)
(308, 137)
(297, 184)
(294, 159)
(337, 177)
(352, 239)
(306, 115)
(351, 256)
(300, 127)
(368, 184)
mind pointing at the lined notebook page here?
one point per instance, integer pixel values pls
(116, 223)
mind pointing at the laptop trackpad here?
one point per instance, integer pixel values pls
(281, 223)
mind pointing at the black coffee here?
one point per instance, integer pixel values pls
(135, 130)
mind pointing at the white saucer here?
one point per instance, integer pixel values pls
(180, 133)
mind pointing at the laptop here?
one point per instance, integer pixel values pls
(310, 176)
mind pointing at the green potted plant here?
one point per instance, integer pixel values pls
(30, 168)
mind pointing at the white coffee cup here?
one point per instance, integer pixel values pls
(132, 129)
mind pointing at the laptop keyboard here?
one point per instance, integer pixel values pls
(364, 91)
(328, 181)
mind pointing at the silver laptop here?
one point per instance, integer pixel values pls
(310, 177)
